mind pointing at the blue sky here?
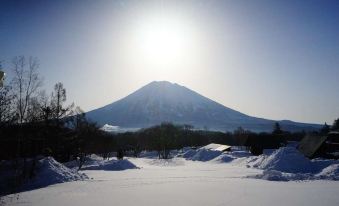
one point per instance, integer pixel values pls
(271, 59)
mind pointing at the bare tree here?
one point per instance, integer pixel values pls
(7, 112)
(26, 83)
(35, 109)
(57, 103)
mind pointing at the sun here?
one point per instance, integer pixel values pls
(163, 46)
(162, 41)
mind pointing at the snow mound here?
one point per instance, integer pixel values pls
(274, 175)
(224, 158)
(236, 155)
(288, 163)
(111, 165)
(286, 159)
(205, 155)
(49, 172)
(330, 172)
(189, 153)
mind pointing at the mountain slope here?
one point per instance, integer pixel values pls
(163, 101)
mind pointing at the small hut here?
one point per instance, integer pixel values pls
(217, 147)
(327, 146)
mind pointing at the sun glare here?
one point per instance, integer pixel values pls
(162, 41)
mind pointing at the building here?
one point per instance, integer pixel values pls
(217, 147)
(314, 145)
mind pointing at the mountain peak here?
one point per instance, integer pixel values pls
(164, 82)
(161, 84)
(164, 101)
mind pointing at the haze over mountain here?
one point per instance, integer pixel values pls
(162, 101)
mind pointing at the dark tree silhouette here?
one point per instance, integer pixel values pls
(325, 129)
(277, 129)
(58, 99)
(335, 125)
(7, 112)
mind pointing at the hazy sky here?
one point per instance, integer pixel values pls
(271, 59)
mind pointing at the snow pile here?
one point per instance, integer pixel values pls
(111, 165)
(236, 155)
(49, 172)
(286, 159)
(205, 155)
(224, 158)
(331, 172)
(274, 175)
(189, 153)
(288, 163)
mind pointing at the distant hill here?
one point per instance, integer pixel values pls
(164, 101)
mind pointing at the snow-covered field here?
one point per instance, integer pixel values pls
(226, 179)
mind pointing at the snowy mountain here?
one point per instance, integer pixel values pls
(164, 101)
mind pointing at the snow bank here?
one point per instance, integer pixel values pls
(288, 163)
(188, 154)
(49, 172)
(331, 172)
(111, 165)
(286, 159)
(205, 155)
(274, 175)
(283, 164)
(237, 155)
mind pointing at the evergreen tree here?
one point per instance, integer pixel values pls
(325, 129)
(277, 128)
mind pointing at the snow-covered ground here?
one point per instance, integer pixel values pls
(223, 180)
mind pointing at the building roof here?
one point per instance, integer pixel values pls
(310, 144)
(216, 147)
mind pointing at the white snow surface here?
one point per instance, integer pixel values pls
(229, 178)
(179, 181)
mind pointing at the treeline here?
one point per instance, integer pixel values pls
(167, 136)
(33, 123)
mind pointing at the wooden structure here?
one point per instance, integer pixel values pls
(327, 146)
